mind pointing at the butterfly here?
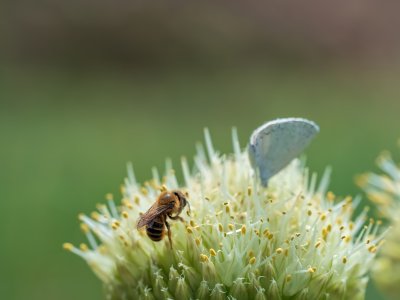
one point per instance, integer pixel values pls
(276, 143)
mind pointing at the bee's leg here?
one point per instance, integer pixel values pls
(169, 233)
(177, 218)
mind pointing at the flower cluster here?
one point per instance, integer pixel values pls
(384, 191)
(292, 239)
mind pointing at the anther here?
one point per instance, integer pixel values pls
(243, 229)
(203, 258)
(68, 246)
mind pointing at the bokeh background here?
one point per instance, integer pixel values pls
(86, 86)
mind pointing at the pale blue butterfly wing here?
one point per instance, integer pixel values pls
(276, 143)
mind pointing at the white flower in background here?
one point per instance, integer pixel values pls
(384, 191)
(292, 239)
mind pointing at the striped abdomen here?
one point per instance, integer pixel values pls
(155, 230)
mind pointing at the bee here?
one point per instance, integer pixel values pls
(168, 205)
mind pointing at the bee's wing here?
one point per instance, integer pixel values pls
(153, 212)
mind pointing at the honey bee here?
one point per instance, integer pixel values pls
(169, 204)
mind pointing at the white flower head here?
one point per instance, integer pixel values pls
(384, 191)
(242, 240)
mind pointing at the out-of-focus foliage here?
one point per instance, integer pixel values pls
(159, 33)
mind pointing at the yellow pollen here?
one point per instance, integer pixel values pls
(298, 234)
(144, 191)
(309, 213)
(266, 232)
(341, 228)
(286, 252)
(311, 270)
(252, 260)
(330, 196)
(95, 215)
(284, 213)
(212, 252)
(83, 247)
(197, 241)
(231, 226)
(136, 200)
(324, 233)
(243, 229)
(347, 239)
(372, 249)
(220, 227)
(288, 278)
(348, 199)
(317, 244)
(203, 258)
(279, 250)
(192, 223)
(351, 225)
(115, 225)
(367, 242)
(80, 216)
(329, 228)
(344, 259)
(102, 249)
(227, 209)
(270, 236)
(163, 188)
(379, 222)
(125, 214)
(109, 197)
(371, 221)
(122, 189)
(250, 253)
(249, 191)
(189, 230)
(100, 206)
(323, 217)
(84, 227)
(68, 246)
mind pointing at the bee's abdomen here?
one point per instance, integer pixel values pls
(155, 231)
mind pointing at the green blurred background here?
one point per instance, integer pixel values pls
(86, 86)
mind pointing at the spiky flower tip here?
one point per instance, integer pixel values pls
(292, 239)
(384, 191)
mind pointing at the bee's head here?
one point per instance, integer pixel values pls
(182, 199)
